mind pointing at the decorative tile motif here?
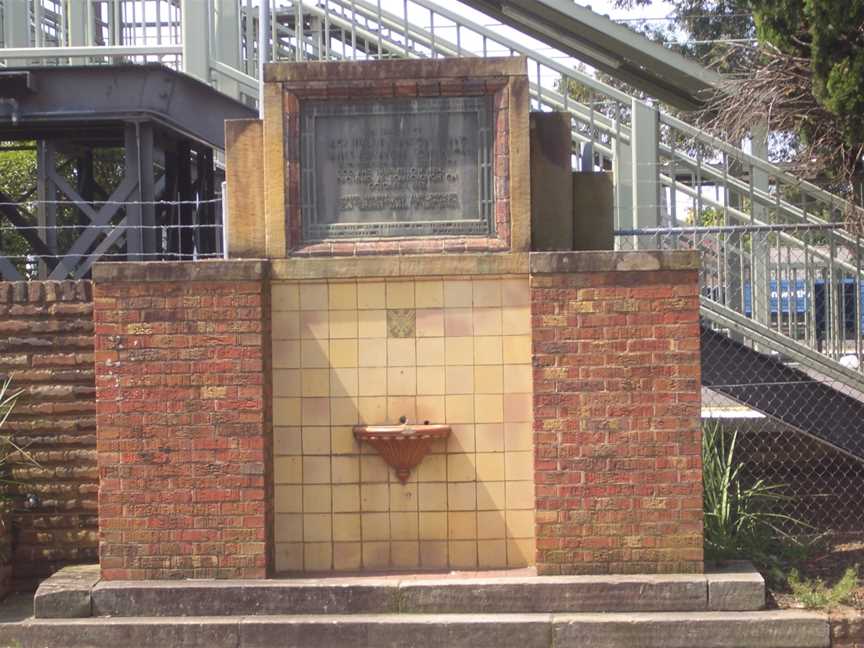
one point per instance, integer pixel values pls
(401, 322)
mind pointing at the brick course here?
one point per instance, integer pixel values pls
(616, 418)
(184, 432)
(46, 345)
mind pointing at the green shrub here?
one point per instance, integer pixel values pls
(739, 522)
(814, 593)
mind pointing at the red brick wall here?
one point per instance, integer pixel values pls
(616, 412)
(46, 344)
(183, 420)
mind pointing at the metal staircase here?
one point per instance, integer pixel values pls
(779, 265)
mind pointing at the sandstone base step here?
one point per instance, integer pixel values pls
(774, 629)
(737, 589)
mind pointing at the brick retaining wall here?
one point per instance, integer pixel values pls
(616, 412)
(46, 343)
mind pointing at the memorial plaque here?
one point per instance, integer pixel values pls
(418, 167)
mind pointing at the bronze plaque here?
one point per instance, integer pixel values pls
(417, 167)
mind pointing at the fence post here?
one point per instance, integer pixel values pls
(761, 247)
(226, 42)
(195, 32)
(644, 144)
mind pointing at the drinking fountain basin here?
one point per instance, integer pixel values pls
(402, 446)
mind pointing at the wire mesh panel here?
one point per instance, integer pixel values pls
(781, 362)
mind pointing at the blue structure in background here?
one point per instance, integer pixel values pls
(800, 298)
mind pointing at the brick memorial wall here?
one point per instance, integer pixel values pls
(46, 345)
(182, 375)
(616, 412)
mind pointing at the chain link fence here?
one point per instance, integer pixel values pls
(782, 324)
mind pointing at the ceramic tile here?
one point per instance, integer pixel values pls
(344, 411)
(372, 353)
(404, 526)
(488, 350)
(289, 556)
(375, 497)
(520, 552)
(285, 354)
(315, 412)
(461, 525)
(286, 326)
(373, 410)
(313, 296)
(317, 556)
(517, 349)
(346, 498)
(487, 321)
(459, 380)
(432, 496)
(346, 470)
(402, 381)
(430, 408)
(429, 294)
(430, 322)
(489, 408)
(347, 556)
(520, 495)
(342, 440)
(399, 406)
(461, 437)
(518, 379)
(376, 555)
(433, 555)
(515, 292)
(492, 554)
(317, 499)
(519, 466)
(401, 352)
(490, 526)
(316, 382)
(516, 320)
(286, 383)
(400, 294)
(430, 352)
(344, 382)
(373, 381)
(314, 354)
(346, 527)
(342, 296)
(430, 380)
(490, 466)
(316, 470)
(375, 526)
(401, 323)
(314, 325)
(287, 441)
(489, 437)
(403, 497)
(288, 499)
(316, 440)
(433, 468)
(519, 408)
(459, 351)
(404, 554)
(462, 496)
(372, 324)
(489, 379)
(343, 324)
(433, 526)
(288, 470)
(458, 294)
(459, 409)
(286, 411)
(343, 353)
(518, 436)
(490, 496)
(288, 527)
(285, 297)
(317, 527)
(460, 467)
(458, 322)
(487, 292)
(371, 295)
(520, 524)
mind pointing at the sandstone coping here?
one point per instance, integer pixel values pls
(173, 271)
(395, 69)
(609, 261)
